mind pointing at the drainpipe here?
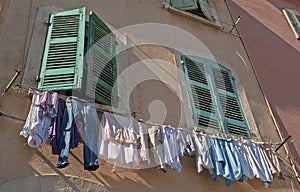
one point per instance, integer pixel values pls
(266, 100)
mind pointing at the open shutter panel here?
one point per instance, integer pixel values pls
(201, 96)
(204, 6)
(101, 61)
(234, 120)
(62, 64)
(184, 4)
(293, 21)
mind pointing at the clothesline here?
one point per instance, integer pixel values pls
(23, 87)
(50, 117)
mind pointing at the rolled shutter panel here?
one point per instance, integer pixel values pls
(62, 63)
(293, 21)
(101, 61)
(234, 120)
(201, 94)
(206, 10)
(184, 4)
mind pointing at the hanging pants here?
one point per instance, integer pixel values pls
(82, 114)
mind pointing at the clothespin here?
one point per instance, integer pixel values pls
(241, 138)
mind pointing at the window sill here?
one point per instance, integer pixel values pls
(195, 17)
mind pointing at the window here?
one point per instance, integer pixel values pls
(201, 8)
(293, 18)
(213, 97)
(63, 65)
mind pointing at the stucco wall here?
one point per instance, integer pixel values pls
(19, 164)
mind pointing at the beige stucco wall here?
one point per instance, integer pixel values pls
(21, 165)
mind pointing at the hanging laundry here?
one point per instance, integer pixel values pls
(119, 141)
(185, 142)
(49, 104)
(82, 114)
(203, 156)
(42, 110)
(244, 159)
(151, 148)
(258, 162)
(225, 160)
(235, 169)
(55, 129)
(170, 148)
(272, 160)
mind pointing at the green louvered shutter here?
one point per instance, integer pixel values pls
(234, 120)
(101, 61)
(293, 19)
(184, 4)
(206, 10)
(62, 63)
(201, 94)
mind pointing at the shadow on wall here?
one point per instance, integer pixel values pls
(285, 133)
(51, 183)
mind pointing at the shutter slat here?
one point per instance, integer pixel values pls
(63, 52)
(101, 61)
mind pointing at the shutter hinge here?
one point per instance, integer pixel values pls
(47, 23)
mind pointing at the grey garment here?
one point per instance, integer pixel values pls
(185, 142)
(37, 123)
(171, 148)
(259, 163)
(151, 144)
(272, 159)
(244, 157)
(32, 118)
(87, 122)
(203, 156)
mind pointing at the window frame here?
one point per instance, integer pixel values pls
(184, 12)
(293, 19)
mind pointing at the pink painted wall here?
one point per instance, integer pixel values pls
(274, 51)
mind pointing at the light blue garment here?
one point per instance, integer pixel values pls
(234, 164)
(203, 156)
(83, 114)
(244, 159)
(218, 158)
(225, 160)
(185, 142)
(170, 148)
(65, 134)
(259, 163)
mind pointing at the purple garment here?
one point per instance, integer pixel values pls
(49, 104)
